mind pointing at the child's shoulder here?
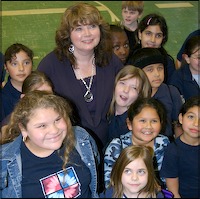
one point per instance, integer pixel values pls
(9, 90)
(175, 145)
(171, 90)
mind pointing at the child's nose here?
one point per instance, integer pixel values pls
(21, 67)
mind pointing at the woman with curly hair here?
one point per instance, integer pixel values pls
(83, 67)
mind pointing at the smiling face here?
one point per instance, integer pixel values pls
(85, 37)
(151, 37)
(45, 132)
(145, 126)
(126, 92)
(19, 67)
(134, 178)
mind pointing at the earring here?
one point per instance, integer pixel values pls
(71, 48)
(24, 139)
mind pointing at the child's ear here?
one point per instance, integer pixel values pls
(140, 15)
(6, 69)
(139, 34)
(180, 118)
(129, 124)
(22, 129)
(187, 59)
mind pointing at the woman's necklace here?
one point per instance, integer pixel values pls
(88, 96)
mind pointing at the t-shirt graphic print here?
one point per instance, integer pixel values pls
(62, 184)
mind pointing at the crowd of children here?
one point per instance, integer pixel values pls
(105, 114)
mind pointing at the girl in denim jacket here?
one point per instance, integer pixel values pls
(43, 155)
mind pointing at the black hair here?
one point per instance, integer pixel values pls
(154, 19)
(16, 48)
(191, 102)
(146, 56)
(137, 106)
(191, 45)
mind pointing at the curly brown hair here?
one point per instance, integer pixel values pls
(25, 109)
(83, 13)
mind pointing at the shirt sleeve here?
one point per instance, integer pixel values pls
(169, 168)
(111, 154)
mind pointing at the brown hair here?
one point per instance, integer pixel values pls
(128, 155)
(133, 5)
(25, 108)
(192, 45)
(16, 48)
(83, 13)
(34, 81)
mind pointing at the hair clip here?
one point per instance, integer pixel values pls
(149, 20)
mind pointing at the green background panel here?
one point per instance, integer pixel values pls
(37, 31)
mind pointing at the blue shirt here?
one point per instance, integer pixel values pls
(2, 70)
(117, 126)
(182, 160)
(182, 79)
(44, 177)
(10, 96)
(170, 97)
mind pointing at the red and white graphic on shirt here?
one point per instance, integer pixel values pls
(62, 184)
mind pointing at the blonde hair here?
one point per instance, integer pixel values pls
(128, 155)
(25, 109)
(133, 5)
(83, 13)
(132, 72)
